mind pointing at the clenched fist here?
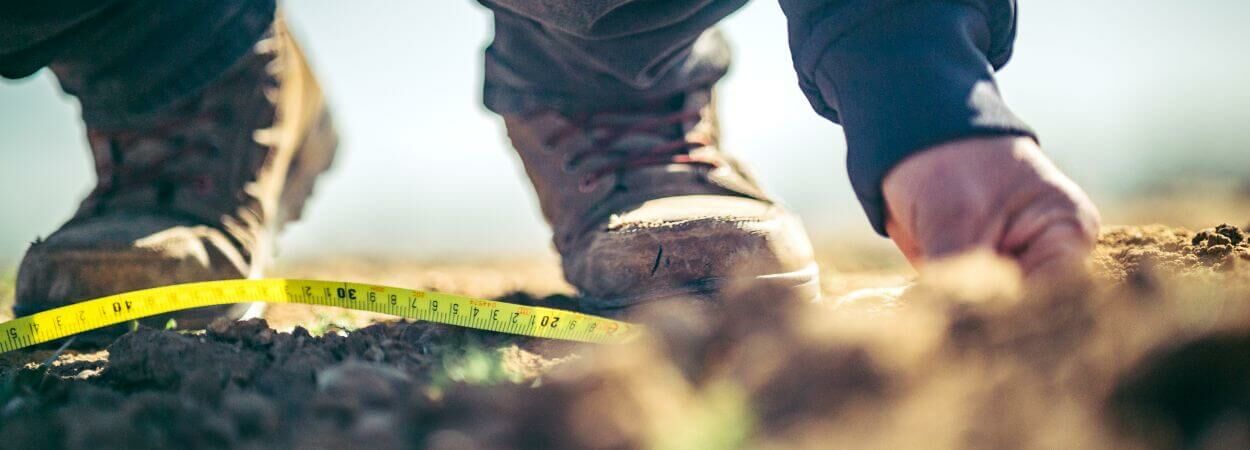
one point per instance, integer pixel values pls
(996, 193)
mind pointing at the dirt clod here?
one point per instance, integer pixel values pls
(1124, 251)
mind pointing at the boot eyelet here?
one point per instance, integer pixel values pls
(203, 185)
(587, 184)
(567, 165)
(548, 146)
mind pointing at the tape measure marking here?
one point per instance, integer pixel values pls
(437, 307)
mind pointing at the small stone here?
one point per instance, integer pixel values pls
(1210, 238)
(1234, 235)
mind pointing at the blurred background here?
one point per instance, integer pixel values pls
(1143, 102)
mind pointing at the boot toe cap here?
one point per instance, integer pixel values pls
(100, 257)
(689, 243)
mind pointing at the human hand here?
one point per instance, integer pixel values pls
(997, 193)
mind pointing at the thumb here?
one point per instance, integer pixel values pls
(905, 241)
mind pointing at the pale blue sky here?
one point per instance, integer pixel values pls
(1121, 91)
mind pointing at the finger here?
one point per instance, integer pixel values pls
(955, 227)
(1044, 213)
(1058, 250)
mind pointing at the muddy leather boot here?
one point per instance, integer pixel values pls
(644, 206)
(197, 197)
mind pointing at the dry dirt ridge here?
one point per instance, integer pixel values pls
(1153, 352)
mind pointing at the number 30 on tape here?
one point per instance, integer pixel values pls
(437, 307)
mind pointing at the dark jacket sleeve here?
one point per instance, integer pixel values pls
(902, 76)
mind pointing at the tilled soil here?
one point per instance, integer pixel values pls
(242, 384)
(1153, 351)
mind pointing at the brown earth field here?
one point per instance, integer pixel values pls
(1152, 351)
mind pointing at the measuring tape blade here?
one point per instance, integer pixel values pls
(437, 307)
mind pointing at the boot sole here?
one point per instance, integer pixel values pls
(802, 284)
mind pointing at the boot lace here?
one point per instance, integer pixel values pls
(185, 159)
(604, 157)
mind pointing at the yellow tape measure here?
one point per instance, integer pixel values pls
(437, 307)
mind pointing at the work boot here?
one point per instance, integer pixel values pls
(644, 206)
(197, 197)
